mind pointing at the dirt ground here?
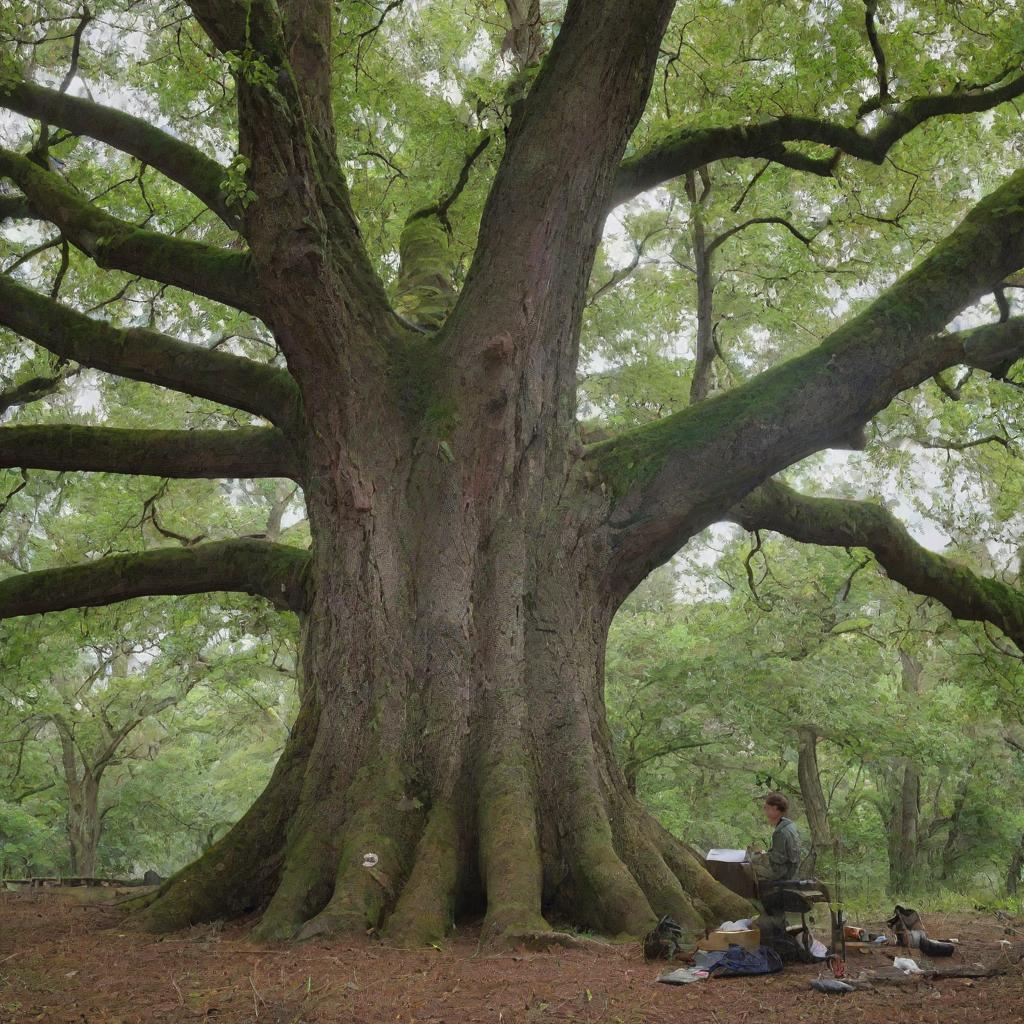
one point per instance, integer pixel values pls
(64, 961)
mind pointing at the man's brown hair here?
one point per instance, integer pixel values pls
(777, 800)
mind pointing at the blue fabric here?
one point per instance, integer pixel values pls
(708, 958)
(738, 961)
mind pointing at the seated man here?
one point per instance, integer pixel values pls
(783, 858)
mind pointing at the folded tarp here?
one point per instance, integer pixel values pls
(737, 961)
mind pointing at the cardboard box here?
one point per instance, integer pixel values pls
(749, 938)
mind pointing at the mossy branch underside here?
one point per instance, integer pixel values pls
(248, 452)
(147, 355)
(179, 161)
(219, 274)
(839, 522)
(274, 571)
(818, 400)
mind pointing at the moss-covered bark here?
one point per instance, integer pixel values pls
(660, 474)
(219, 274)
(241, 870)
(179, 161)
(212, 454)
(845, 523)
(461, 761)
(273, 571)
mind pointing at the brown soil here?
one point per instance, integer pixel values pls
(63, 960)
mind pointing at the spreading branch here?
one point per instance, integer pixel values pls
(837, 522)
(304, 237)
(689, 148)
(149, 356)
(197, 454)
(737, 228)
(820, 399)
(218, 274)
(254, 567)
(193, 170)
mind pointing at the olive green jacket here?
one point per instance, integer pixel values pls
(784, 853)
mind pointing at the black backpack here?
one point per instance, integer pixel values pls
(665, 941)
(789, 948)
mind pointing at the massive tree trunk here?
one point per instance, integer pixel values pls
(451, 752)
(461, 740)
(453, 721)
(454, 754)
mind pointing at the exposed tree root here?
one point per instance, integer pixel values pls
(543, 940)
(306, 882)
(380, 830)
(326, 859)
(133, 904)
(714, 901)
(605, 895)
(510, 856)
(660, 884)
(426, 908)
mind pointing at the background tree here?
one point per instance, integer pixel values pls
(147, 750)
(418, 378)
(740, 665)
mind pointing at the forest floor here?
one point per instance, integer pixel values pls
(63, 960)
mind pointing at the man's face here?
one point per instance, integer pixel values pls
(772, 813)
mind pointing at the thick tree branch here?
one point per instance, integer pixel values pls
(14, 207)
(524, 39)
(840, 523)
(32, 791)
(424, 292)
(32, 390)
(543, 217)
(689, 148)
(197, 454)
(273, 571)
(218, 274)
(150, 356)
(307, 251)
(818, 400)
(180, 162)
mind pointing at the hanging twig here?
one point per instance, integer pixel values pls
(881, 70)
(765, 606)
